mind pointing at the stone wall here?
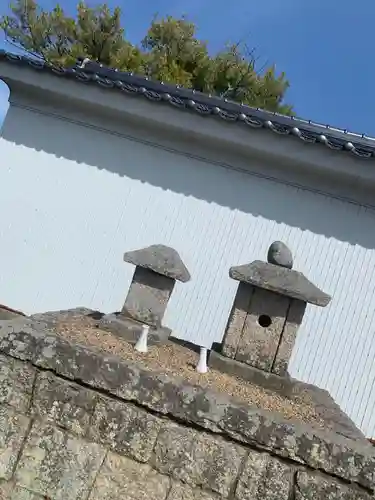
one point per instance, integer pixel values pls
(76, 424)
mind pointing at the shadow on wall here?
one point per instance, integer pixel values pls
(194, 177)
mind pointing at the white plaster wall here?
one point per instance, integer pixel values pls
(73, 200)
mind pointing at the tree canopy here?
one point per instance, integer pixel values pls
(169, 52)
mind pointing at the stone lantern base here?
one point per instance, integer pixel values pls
(129, 329)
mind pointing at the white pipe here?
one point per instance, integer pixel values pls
(202, 363)
(141, 345)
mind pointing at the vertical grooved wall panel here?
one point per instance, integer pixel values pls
(68, 217)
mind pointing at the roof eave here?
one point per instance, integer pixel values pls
(235, 136)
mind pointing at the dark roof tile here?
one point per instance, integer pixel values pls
(87, 71)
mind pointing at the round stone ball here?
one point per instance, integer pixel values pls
(280, 255)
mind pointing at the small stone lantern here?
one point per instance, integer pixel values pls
(268, 310)
(157, 269)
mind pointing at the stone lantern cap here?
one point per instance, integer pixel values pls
(280, 278)
(160, 259)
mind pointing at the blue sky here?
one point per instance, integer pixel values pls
(324, 47)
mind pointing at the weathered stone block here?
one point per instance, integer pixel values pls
(198, 459)
(69, 405)
(16, 383)
(10, 491)
(237, 320)
(324, 404)
(13, 430)
(125, 428)
(24, 494)
(264, 478)
(181, 491)
(58, 465)
(262, 329)
(173, 446)
(270, 381)
(148, 297)
(216, 463)
(293, 322)
(202, 407)
(259, 341)
(122, 478)
(6, 488)
(130, 330)
(315, 487)
(52, 318)
(282, 280)
(157, 269)
(160, 259)
(319, 450)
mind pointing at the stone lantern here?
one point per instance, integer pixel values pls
(158, 267)
(268, 310)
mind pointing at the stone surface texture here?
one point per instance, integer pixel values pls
(57, 464)
(51, 318)
(236, 321)
(281, 280)
(293, 321)
(198, 459)
(267, 348)
(148, 297)
(291, 388)
(130, 330)
(122, 477)
(310, 486)
(267, 311)
(280, 255)
(157, 269)
(258, 345)
(160, 259)
(93, 427)
(254, 483)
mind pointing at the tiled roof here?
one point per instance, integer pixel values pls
(87, 71)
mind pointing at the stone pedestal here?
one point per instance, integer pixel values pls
(157, 269)
(268, 310)
(128, 329)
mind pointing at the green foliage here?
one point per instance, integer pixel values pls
(170, 52)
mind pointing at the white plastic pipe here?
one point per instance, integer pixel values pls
(141, 345)
(202, 363)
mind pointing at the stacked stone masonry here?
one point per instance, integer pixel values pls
(75, 424)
